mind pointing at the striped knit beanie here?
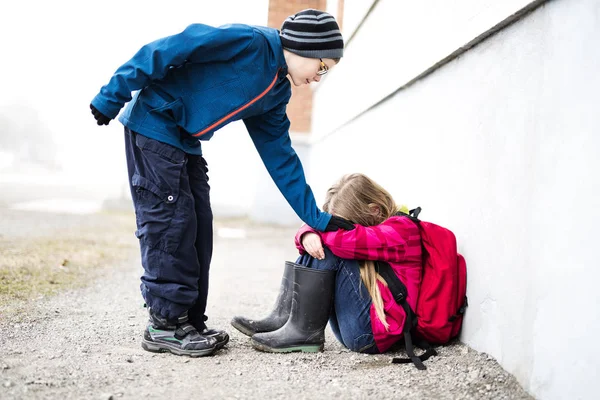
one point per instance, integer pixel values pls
(312, 34)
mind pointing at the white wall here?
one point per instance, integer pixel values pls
(233, 171)
(269, 204)
(398, 41)
(501, 145)
(353, 13)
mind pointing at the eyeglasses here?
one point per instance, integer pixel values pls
(323, 69)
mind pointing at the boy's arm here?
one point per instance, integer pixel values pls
(270, 134)
(197, 43)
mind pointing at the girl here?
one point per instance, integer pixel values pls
(341, 268)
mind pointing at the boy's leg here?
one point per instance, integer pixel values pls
(350, 319)
(166, 229)
(198, 174)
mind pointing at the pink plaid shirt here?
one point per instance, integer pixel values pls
(396, 241)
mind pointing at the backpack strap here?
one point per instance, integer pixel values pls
(460, 311)
(429, 352)
(400, 292)
(415, 212)
(413, 215)
(396, 286)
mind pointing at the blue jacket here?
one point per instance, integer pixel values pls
(195, 82)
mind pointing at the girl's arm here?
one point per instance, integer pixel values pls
(388, 241)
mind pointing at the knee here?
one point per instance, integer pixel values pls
(330, 262)
(329, 254)
(305, 259)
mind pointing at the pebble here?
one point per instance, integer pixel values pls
(473, 375)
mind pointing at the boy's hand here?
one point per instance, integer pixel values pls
(339, 223)
(101, 119)
(313, 246)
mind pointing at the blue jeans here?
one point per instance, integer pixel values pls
(171, 196)
(350, 320)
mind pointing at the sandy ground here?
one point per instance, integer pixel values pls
(85, 343)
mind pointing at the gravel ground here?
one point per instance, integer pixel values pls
(85, 344)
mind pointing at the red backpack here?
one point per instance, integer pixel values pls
(442, 296)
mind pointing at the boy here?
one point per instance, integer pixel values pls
(190, 85)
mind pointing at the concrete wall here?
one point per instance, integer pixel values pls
(501, 145)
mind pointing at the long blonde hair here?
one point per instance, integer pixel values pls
(359, 199)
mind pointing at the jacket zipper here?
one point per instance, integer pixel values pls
(233, 113)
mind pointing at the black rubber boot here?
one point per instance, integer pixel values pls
(311, 305)
(280, 313)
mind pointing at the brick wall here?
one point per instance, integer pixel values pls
(300, 107)
(340, 14)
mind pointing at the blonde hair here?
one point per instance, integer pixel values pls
(362, 201)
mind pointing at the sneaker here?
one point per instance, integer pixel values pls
(179, 338)
(221, 337)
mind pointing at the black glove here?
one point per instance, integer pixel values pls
(339, 223)
(100, 118)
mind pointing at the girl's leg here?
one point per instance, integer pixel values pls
(350, 319)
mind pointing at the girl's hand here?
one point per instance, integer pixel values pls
(313, 245)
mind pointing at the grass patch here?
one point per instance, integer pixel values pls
(32, 268)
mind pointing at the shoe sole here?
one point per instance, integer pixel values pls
(164, 348)
(291, 349)
(242, 329)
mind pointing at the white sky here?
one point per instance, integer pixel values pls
(56, 55)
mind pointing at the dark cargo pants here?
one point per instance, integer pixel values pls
(174, 219)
